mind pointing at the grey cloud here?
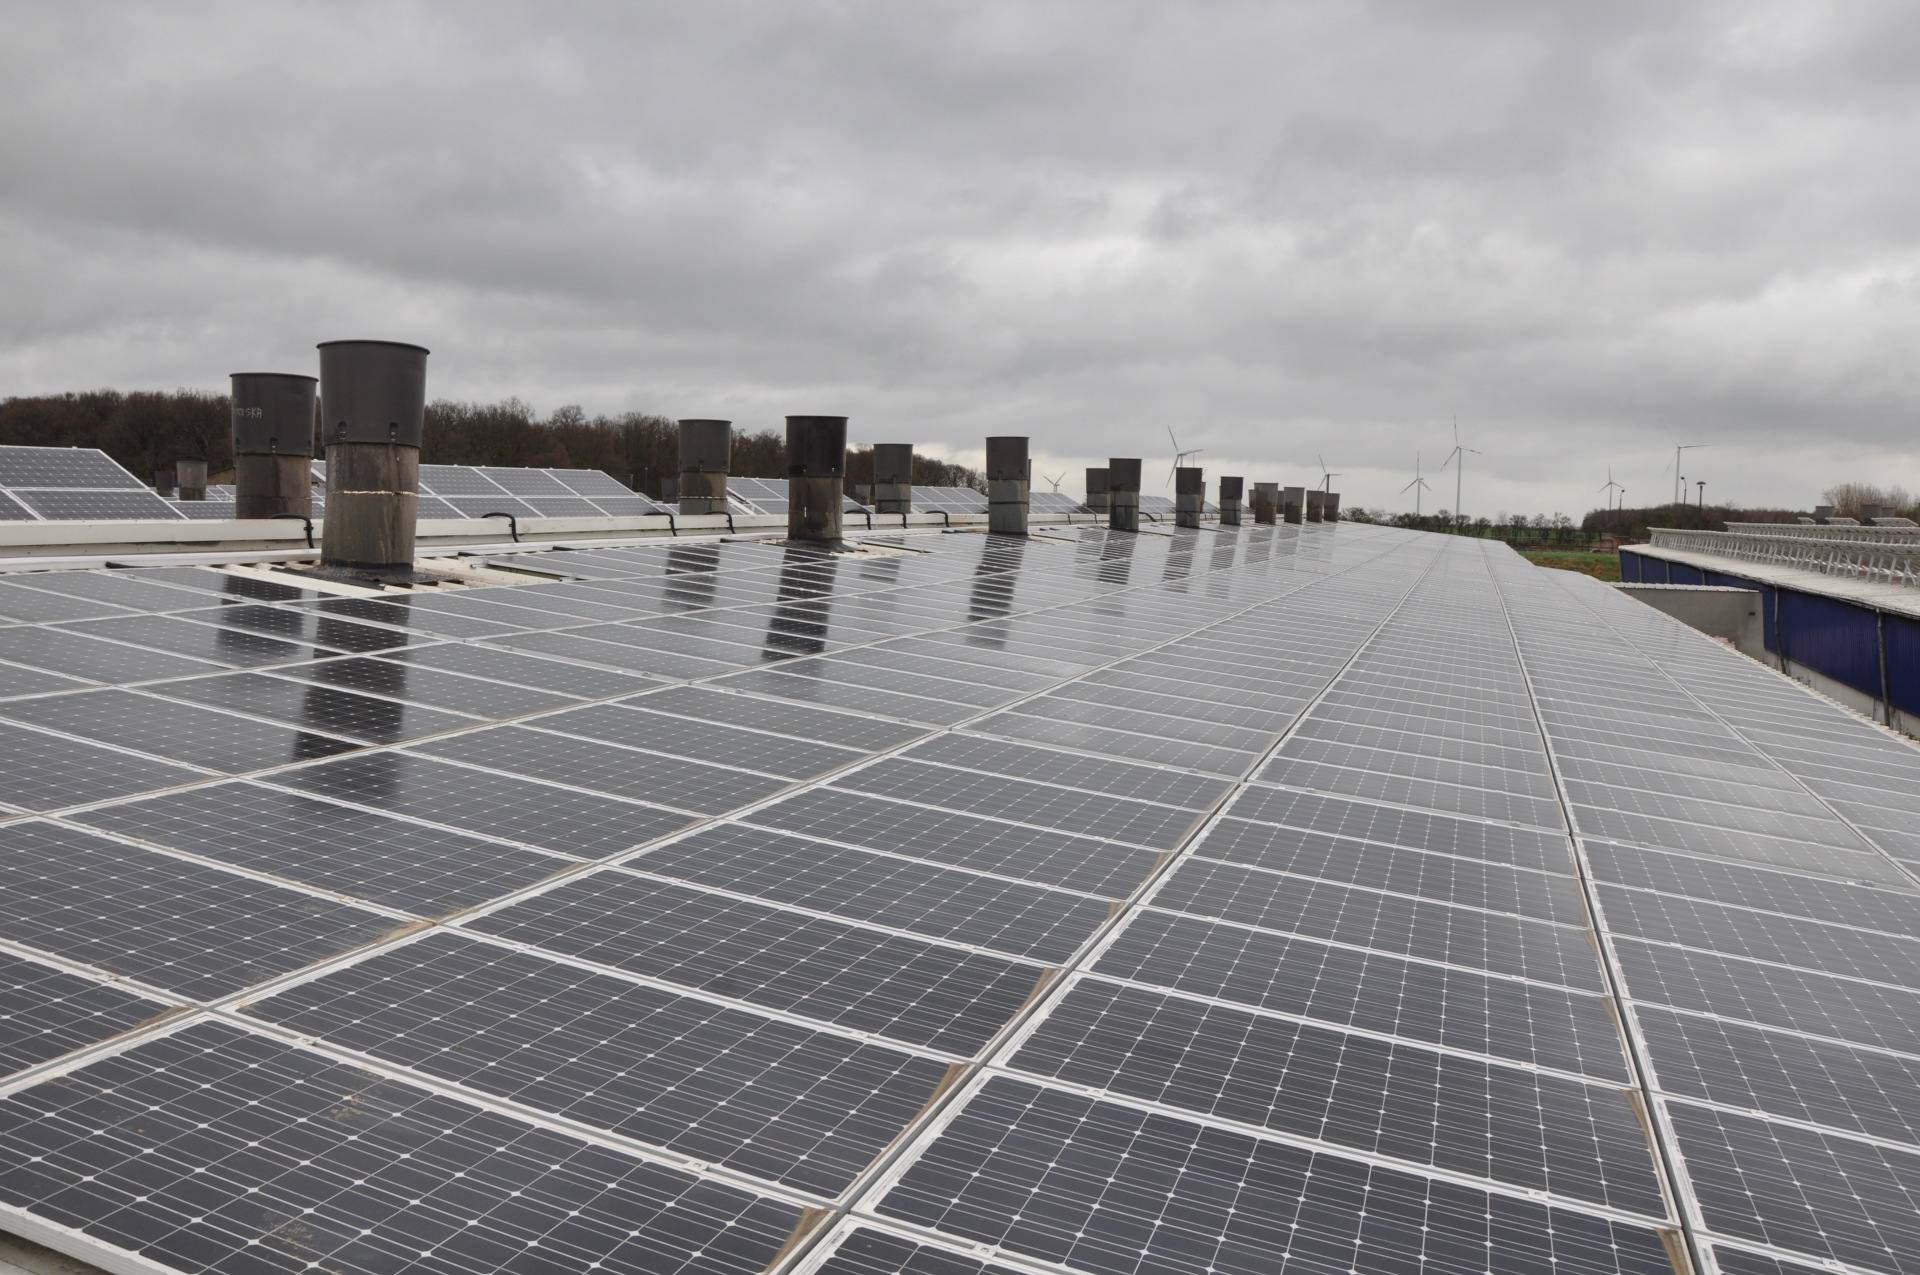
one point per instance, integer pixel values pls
(1284, 229)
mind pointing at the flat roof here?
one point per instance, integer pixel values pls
(1316, 897)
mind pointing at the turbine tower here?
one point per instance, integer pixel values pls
(1458, 454)
(1417, 486)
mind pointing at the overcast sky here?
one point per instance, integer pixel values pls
(1284, 230)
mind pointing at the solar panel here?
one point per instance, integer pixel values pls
(1281, 898)
(63, 467)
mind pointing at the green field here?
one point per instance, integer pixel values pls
(1601, 566)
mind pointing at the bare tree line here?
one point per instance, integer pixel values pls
(150, 431)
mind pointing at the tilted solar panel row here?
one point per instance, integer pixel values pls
(1220, 901)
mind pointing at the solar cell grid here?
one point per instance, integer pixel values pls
(785, 1103)
(631, 724)
(1764, 936)
(46, 1012)
(556, 676)
(1503, 1124)
(981, 844)
(339, 849)
(1405, 790)
(225, 644)
(1043, 805)
(1139, 1190)
(1854, 1090)
(1387, 922)
(900, 893)
(632, 657)
(564, 821)
(1471, 882)
(914, 991)
(97, 506)
(675, 783)
(283, 1156)
(175, 731)
(1829, 1196)
(372, 719)
(1370, 991)
(1765, 889)
(1072, 770)
(413, 684)
(62, 467)
(48, 772)
(184, 928)
(95, 659)
(22, 605)
(780, 717)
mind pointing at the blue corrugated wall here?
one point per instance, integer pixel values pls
(1827, 635)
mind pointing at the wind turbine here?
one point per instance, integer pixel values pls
(1611, 485)
(1055, 482)
(1179, 457)
(1326, 479)
(1679, 482)
(1419, 485)
(1459, 454)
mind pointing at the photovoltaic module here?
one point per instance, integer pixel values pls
(1317, 898)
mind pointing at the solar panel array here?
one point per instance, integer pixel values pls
(63, 484)
(1287, 898)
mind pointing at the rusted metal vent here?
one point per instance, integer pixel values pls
(273, 444)
(1097, 490)
(1231, 491)
(373, 401)
(1123, 494)
(893, 478)
(1189, 496)
(816, 476)
(1330, 507)
(1266, 502)
(192, 477)
(706, 458)
(1293, 504)
(1009, 474)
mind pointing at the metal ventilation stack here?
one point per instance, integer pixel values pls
(1293, 505)
(373, 398)
(1330, 507)
(1123, 494)
(1316, 503)
(192, 477)
(272, 444)
(1097, 499)
(816, 476)
(1008, 483)
(1266, 503)
(163, 482)
(706, 456)
(1231, 489)
(893, 478)
(1189, 497)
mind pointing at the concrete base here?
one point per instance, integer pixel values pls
(1187, 510)
(1734, 614)
(1123, 511)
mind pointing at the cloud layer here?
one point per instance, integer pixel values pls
(1285, 231)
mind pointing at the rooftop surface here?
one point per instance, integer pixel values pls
(1317, 898)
